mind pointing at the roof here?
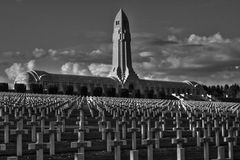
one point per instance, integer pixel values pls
(172, 83)
(37, 75)
(121, 20)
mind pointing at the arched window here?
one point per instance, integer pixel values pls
(84, 91)
(97, 91)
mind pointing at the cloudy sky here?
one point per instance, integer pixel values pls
(171, 39)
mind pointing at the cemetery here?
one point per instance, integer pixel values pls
(51, 116)
(61, 127)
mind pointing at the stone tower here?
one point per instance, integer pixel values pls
(121, 61)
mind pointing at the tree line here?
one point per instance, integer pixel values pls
(224, 92)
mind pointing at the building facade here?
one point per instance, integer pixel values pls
(122, 75)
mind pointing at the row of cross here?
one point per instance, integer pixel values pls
(129, 116)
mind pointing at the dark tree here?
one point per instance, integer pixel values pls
(233, 90)
(226, 87)
(52, 89)
(97, 91)
(205, 88)
(69, 90)
(3, 87)
(20, 88)
(84, 91)
(221, 91)
(162, 95)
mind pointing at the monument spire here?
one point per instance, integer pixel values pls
(122, 61)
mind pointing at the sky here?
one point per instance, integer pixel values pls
(196, 40)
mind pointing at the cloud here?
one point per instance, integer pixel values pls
(100, 69)
(31, 65)
(93, 47)
(146, 54)
(174, 62)
(216, 38)
(207, 59)
(14, 70)
(76, 69)
(226, 77)
(79, 54)
(172, 38)
(96, 52)
(93, 69)
(52, 52)
(39, 52)
(149, 39)
(18, 68)
(194, 58)
(63, 52)
(68, 54)
(10, 53)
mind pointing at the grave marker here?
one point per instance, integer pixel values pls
(33, 123)
(221, 154)
(117, 143)
(109, 131)
(6, 123)
(81, 143)
(149, 141)
(179, 140)
(19, 132)
(206, 140)
(39, 146)
(230, 139)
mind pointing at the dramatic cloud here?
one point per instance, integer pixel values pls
(18, 68)
(31, 65)
(75, 68)
(209, 59)
(93, 69)
(99, 69)
(206, 59)
(216, 38)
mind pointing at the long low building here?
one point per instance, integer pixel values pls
(121, 78)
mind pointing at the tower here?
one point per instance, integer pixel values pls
(121, 61)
